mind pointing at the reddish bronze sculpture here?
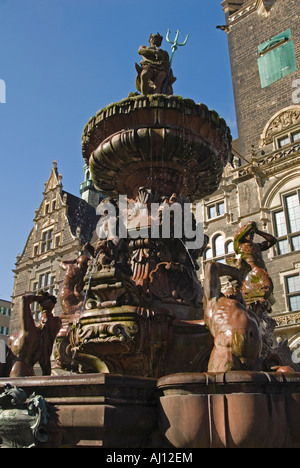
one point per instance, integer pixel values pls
(34, 343)
(155, 75)
(71, 294)
(258, 286)
(235, 329)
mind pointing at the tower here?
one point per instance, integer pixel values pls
(87, 190)
(264, 48)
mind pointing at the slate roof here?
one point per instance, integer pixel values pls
(82, 215)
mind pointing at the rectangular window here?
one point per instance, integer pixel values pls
(276, 58)
(287, 225)
(293, 209)
(216, 210)
(295, 137)
(280, 224)
(46, 244)
(46, 283)
(283, 142)
(293, 292)
(283, 247)
(221, 209)
(5, 311)
(296, 243)
(212, 212)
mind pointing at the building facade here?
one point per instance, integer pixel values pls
(263, 183)
(5, 314)
(62, 224)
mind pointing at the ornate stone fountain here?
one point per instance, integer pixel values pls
(144, 297)
(162, 360)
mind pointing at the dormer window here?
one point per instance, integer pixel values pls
(282, 129)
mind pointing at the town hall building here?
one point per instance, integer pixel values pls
(264, 183)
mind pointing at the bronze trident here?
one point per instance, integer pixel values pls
(175, 45)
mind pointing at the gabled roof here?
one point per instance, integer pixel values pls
(81, 216)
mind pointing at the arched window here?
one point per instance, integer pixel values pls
(229, 247)
(219, 250)
(208, 254)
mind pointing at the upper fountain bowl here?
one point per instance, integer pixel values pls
(165, 143)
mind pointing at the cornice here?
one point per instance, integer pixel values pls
(262, 6)
(287, 319)
(270, 164)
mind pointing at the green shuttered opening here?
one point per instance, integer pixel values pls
(276, 58)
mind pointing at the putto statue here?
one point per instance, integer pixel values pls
(155, 75)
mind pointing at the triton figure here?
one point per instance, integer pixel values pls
(34, 343)
(237, 340)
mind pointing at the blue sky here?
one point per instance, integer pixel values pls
(62, 61)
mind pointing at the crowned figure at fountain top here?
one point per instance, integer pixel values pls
(155, 75)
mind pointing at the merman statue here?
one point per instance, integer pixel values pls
(34, 343)
(237, 339)
(258, 285)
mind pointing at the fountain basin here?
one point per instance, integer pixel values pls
(95, 410)
(232, 410)
(159, 142)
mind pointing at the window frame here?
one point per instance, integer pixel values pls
(212, 247)
(289, 236)
(288, 294)
(47, 243)
(40, 285)
(288, 136)
(216, 206)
